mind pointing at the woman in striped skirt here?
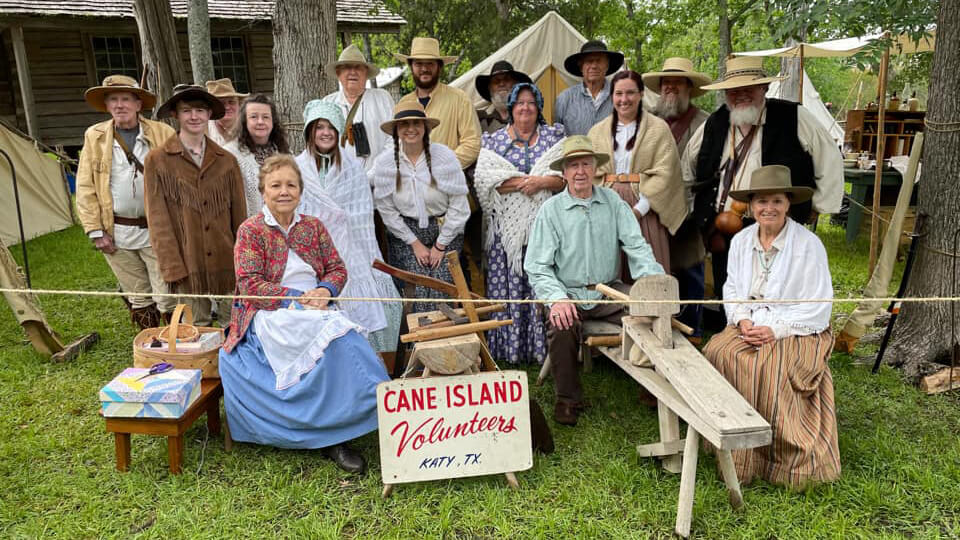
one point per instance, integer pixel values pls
(777, 354)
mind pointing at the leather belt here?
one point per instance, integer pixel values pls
(133, 222)
(633, 178)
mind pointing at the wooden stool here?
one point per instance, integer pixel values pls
(172, 428)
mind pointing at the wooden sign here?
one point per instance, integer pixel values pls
(451, 427)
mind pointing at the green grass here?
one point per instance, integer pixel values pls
(900, 453)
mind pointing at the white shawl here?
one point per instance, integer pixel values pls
(250, 170)
(511, 215)
(800, 271)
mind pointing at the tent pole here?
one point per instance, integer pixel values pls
(802, 74)
(16, 198)
(878, 175)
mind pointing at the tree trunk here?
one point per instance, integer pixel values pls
(924, 335)
(198, 33)
(368, 52)
(791, 68)
(158, 43)
(304, 47)
(724, 45)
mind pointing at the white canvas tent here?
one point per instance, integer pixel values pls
(539, 52)
(813, 103)
(44, 202)
(902, 44)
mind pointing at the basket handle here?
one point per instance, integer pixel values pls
(182, 310)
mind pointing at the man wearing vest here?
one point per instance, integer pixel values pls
(110, 193)
(764, 131)
(676, 84)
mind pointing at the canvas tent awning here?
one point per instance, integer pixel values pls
(44, 203)
(539, 52)
(903, 44)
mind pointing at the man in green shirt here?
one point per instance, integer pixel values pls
(575, 244)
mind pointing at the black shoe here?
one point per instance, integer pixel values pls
(346, 458)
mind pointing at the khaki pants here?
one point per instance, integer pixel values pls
(137, 272)
(202, 308)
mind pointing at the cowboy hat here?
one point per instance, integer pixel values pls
(677, 67)
(408, 110)
(423, 48)
(189, 92)
(572, 62)
(317, 109)
(96, 95)
(772, 179)
(352, 55)
(223, 88)
(482, 82)
(578, 146)
(742, 71)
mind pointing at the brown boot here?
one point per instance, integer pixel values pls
(566, 413)
(146, 317)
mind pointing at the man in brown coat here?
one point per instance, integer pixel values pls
(195, 203)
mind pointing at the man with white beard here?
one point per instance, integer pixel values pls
(764, 131)
(496, 88)
(676, 84)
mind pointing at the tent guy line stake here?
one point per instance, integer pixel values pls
(16, 198)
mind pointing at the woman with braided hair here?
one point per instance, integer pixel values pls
(421, 194)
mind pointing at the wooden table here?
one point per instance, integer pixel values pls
(861, 184)
(172, 428)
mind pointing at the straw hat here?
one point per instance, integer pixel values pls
(317, 109)
(677, 67)
(742, 71)
(772, 179)
(96, 95)
(423, 48)
(189, 92)
(223, 88)
(482, 82)
(572, 62)
(352, 55)
(408, 110)
(578, 146)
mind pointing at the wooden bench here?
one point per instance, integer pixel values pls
(172, 428)
(686, 386)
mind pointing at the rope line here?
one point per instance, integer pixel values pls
(947, 127)
(846, 300)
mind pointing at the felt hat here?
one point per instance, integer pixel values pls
(352, 55)
(677, 67)
(423, 48)
(772, 179)
(572, 62)
(482, 82)
(223, 88)
(190, 92)
(742, 71)
(317, 109)
(408, 110)
(578, 146)
(96, 95)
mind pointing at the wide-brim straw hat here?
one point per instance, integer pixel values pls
(96, 95)
(408, 110)
(317, 109)
(742, 71)
(578, 146)
(223, 88)
(424, 49)
(189, 92)
(572, 62)
(352, 55)
(482, 82)
(772, 179)
(677, 67)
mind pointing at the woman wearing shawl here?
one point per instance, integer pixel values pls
(260, 137)
(336, 190)
(645, 166)
(513, 178)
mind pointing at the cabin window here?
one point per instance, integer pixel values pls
(230, 61)
(115, 56)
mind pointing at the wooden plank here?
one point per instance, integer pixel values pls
(23, 76)
(661, 449)
(688, 483)
(941, 381)
(462, 291)
(449, 356)
(700, 384)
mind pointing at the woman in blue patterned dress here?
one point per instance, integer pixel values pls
(513, 179)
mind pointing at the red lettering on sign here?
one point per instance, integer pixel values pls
(386, 403)
(438, 432)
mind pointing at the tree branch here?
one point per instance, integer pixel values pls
(742, 11)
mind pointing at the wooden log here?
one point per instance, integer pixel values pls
(442, 322)
(607, 341)
(617, 295)
(26, 82)
(729, 472)
(941, 381)
(688, 484)
(459, 330)
(426, 281)
(449, 356)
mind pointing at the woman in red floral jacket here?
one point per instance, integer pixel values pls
(296, 373)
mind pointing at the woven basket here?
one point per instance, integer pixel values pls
(206, 361)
